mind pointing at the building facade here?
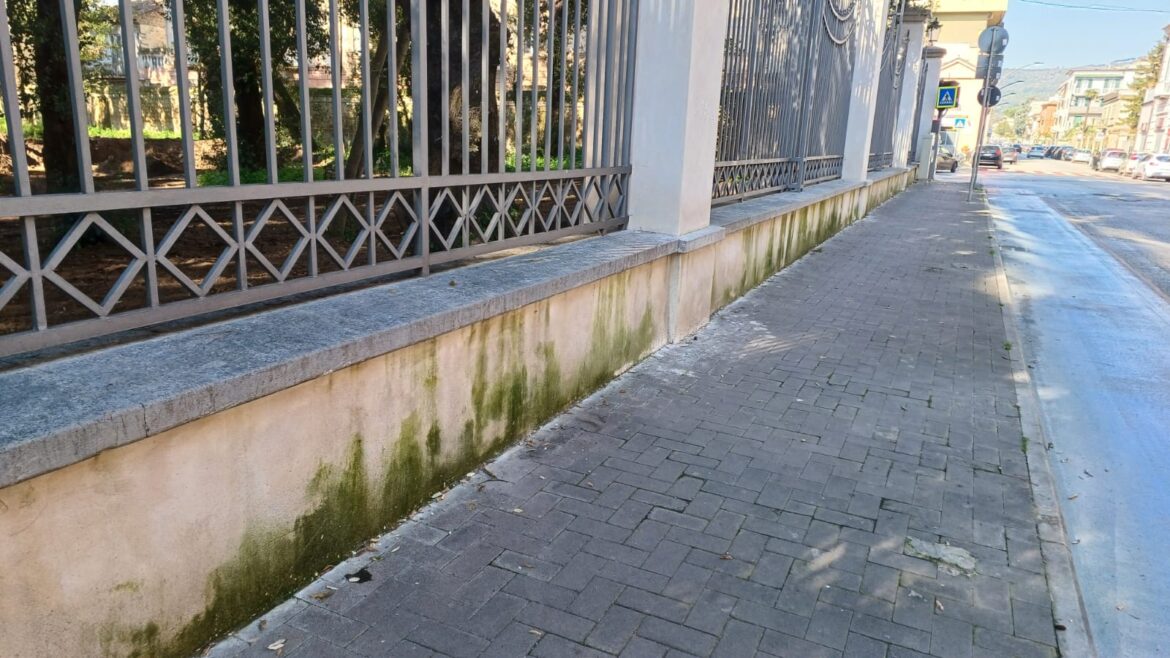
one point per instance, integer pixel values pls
(962, 22)
(1153, 132)
(1080, 99)
(1041, 117)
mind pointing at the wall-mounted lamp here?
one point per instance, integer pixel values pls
(932, 30)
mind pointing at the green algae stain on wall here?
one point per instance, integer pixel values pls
(351, 503)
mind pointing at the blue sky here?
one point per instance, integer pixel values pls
(1063, 37)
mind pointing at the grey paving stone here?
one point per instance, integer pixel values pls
(752, 490)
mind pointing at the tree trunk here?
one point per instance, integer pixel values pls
(59, 149)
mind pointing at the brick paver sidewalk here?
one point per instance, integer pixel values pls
(832, 467)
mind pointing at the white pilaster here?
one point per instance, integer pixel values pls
(870, 36)
(932, 57)
(913, 35)
(678, 78)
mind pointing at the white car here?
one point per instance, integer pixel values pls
(1082, 156)
(1155, 166)
(1130, 166)
(1111, 160)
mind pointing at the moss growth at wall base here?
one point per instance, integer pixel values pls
(352, 502)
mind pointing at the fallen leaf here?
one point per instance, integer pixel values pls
(915, 595)
(1086, 471)
(395, 549)
(323, 594)
(263, 624)
(938, 604)
(726, 556)
(1076, 541)
(535, 632)
(1074, 496)
(277, 645)
(517, 510)
(360, 576)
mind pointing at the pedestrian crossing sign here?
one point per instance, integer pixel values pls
(948, 98)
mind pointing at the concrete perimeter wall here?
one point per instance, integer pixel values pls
(233, 493)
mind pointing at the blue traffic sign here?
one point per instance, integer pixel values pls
(948, 98)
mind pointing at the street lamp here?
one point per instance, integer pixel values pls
(932, 30)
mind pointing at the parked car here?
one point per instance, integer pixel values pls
(1155, 167)
(1081, 155)
(991, 156)
(1130, 163)
(1135, 168)
(1010, 155)
(1066, 153)
(1036, 152)
(1111, 160)
(946, 161)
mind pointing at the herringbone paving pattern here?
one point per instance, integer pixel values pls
(752, 491)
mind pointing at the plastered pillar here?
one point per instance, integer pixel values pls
(866, 72)
(678, 77)
(932, 57)
(913, 35)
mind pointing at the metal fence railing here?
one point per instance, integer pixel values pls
(889, 93)
(787, 78)
(454, 128)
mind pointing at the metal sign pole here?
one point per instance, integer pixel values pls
(992, 43)
(978, 146)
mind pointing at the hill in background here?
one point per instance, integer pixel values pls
(1034, 85)
(1040, 84)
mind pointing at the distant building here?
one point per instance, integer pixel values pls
(1041, 118)
(1153, 132)
(962, 22)
(1115, 119)
(1079, 103)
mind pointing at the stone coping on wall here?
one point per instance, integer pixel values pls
(61, 412)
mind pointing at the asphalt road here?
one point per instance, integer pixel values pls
(1088, 261)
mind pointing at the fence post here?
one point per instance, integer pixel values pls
(913, 25)
(678, 73)
(870, 38)
(932, 60)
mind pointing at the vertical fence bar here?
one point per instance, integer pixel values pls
(465, 113)
(623, 82)
(549, 58)
(564, 49)
(392, 83)
(535, 80)
(464, 86)
(420, 137)
(306, 108)
(608, 118)
(137, 145)
(16, 147)
(445, 79)
(36, 281)
(266, 89)
(575, 83)
(628, 104)
(77, 96)
(519, 137)
(594, 62)
(367, 131)
(178, 23)
(804, 122)
(502, 113)
(229, 92)
(485, 89)
(336, 64)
